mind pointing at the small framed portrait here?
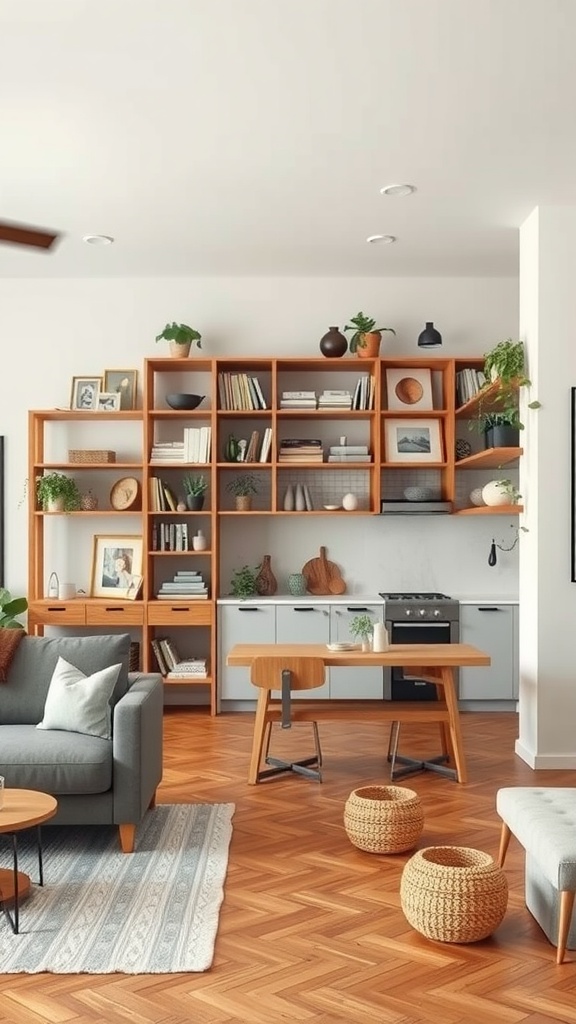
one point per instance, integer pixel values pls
(116, 565)
(124, 383)
(413, 440)
(108, 401)
(409, 389)
(85, 391)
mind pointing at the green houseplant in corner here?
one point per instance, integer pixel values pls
(366, 339)
(180, 337)
(57, 492)
(10, 607)
(504, 369)
(195, 488)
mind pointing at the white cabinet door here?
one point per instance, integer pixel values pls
(247, 623)
(489, 626)
(305, 624)
(354, 683)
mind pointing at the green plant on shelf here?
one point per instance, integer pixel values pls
(362, 627)
(504, 365)
(362, 325)
(195, 486)
(182, 334)
(243, 583)
(53, 487)
(243, 485)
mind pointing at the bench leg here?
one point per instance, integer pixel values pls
(566, 907)
(504, 841)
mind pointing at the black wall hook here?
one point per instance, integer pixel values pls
(492, 556)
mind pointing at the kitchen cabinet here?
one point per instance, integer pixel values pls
(247, 623)
(493, 628)
(305, 624)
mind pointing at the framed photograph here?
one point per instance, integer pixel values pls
(413, 441)
(124, 383)
(116, 561)
(409, 389)
(85, 391)
(108, 401)
(135, 587)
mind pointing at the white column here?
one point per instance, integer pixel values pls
(547, 737)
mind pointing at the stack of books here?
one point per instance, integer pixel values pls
(187, 585)
(173, 666)
(298, 449)
(240, 391)
(349, 453)
(167, 451)
(335, 400)
(298, 400)
(468, 383)
(364, 392)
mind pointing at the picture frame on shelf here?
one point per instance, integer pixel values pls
(417, 440)
(108, 401)
(116, 563)
(409, 389)
(125, 383)
(84, 393)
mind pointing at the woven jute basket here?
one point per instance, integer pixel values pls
(383, 819)
(453, 893)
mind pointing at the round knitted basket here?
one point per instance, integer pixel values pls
(383, 819)
(453, 893)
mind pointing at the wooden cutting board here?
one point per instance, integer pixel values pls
(323, 576)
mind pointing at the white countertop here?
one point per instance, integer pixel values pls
(348, 599)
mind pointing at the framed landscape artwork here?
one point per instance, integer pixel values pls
(413, 440)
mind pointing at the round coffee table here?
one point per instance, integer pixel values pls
(22, 809)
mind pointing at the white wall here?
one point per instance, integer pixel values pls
(53, 329)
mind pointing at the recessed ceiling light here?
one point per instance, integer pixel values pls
(98, 239)
(381, 239)
(397, 190)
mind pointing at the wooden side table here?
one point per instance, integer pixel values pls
(22, 809)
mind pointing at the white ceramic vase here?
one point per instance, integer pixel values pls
(495, 493)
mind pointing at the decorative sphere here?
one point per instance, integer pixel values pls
(476, 497)
(409, 390)
(350, 502)
(463, 448)
(495, 493)
(181, 506)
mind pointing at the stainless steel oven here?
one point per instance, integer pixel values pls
(417, 618)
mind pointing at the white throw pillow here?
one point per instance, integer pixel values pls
(79, 703)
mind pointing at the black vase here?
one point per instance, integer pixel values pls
(333, 344)
(429, 336)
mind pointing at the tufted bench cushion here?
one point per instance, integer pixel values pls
(544, 822)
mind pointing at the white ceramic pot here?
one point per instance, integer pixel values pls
(495, 493)
(350, 502)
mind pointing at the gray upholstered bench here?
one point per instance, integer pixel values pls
(544, 822)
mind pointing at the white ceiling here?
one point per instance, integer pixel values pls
(238, 137)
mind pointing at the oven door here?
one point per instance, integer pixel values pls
(399, 685)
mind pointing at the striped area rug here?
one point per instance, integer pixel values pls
(101, 911)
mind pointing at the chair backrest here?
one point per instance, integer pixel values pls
(305, 673)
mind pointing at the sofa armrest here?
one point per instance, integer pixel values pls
(137, 734)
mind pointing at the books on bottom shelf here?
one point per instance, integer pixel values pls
(172, 665)
(195, 668)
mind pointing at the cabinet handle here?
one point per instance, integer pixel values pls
(304, 609)
(248, 609)
(57, 608)
(489, 609)
(111, 609)
(358, 608)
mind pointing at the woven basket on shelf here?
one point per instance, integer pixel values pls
(90, 455)
(383, 819)
(453, 893)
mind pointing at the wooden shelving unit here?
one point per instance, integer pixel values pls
(195, 621)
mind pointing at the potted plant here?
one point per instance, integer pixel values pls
(57, 492)
(362, 628)
(10, 607)
(504, 365)
(243, 583)
(366, 339)
(243, 487)
(501, 429)
(180, 337)
(195, 488)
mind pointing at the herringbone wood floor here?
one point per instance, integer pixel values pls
(311, 929)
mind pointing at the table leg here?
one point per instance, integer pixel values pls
(455, 731)
(259, 735)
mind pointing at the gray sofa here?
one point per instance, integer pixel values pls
(95, 780)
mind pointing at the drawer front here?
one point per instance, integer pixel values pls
(55, 613)
(111, 613)
(180, 613)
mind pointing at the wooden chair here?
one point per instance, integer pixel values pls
(286, 675)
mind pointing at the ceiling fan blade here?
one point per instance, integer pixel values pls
(18, 234)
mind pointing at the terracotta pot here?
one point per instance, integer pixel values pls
(178, 350)
(369, 345)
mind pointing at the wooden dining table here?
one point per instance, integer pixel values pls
(435, 663)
